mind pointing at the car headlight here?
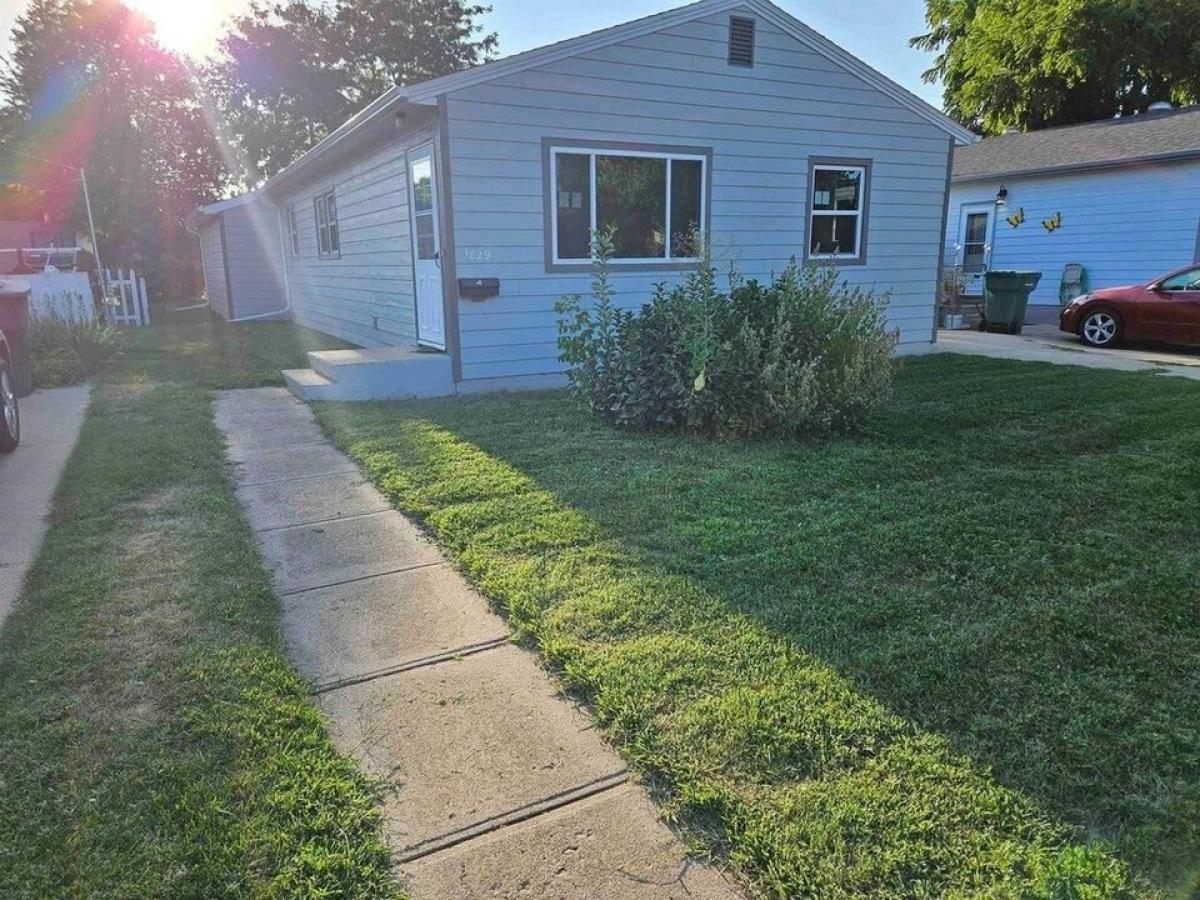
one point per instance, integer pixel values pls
(1080, 300)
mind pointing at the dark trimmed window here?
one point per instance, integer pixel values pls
(653, 201)
(837, 216)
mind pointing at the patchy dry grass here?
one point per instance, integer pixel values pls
(154, 739)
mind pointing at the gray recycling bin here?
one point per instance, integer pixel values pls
(14, 322)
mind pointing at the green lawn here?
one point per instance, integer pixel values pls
(957, 655)
(200, 349)
(154, 740)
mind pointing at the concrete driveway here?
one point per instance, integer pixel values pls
(1045, 343)
(50, 423)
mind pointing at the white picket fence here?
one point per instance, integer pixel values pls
(128, 302)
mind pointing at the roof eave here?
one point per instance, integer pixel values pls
(827, 48)
(428, 92)
(345, 132)
(1073, 168)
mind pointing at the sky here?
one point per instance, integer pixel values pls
(876, 31)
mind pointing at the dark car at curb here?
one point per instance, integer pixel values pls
(1166, 310)
(10, 412)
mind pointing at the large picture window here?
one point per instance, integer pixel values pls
(329, 242)
(654, 201)
(838, 212)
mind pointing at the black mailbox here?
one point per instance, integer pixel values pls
(478, 288)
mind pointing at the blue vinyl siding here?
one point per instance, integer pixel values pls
(676, 88)
(1125, 226)
(366, 295)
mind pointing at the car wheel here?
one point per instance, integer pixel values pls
(1101, 328)
(10, 412)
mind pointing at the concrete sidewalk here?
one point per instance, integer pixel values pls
(498, 786)
(1043, 344)
(50, 423)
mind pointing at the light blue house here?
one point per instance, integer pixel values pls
(1120, 197)
(438, 228)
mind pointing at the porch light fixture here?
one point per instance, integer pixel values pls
(1002, 197)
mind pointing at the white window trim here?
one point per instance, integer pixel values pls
(321, 211)
(985, 247)
(592, 153)
(858, 214)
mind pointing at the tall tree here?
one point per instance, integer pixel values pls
(1032, 63)
(86, 85)
(291, 71)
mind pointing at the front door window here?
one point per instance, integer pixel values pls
(975, 242)
(427, 272)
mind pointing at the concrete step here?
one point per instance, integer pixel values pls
(309, 385)
(382, 373)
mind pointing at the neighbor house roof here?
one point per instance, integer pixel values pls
(427, 92)
(1148, 137)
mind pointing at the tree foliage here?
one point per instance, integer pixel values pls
(1032, 63)
(291, 71)
(87, 85)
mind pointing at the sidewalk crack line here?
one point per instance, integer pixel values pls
(320, 587)
(512, 817)
(447, 656)
(326, 521)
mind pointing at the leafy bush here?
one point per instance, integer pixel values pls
(804, 354)
(66, 346)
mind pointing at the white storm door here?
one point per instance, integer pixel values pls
(975, 245)
(427, 249)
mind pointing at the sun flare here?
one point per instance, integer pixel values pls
(191, 27)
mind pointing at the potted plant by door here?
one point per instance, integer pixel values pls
(950, 291)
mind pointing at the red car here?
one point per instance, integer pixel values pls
(10, 413)
(1167, 309)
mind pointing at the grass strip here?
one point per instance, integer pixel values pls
(154, 739)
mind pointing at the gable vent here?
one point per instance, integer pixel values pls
(741, 42)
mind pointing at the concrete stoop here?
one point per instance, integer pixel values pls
(496, 786)
(381, 373)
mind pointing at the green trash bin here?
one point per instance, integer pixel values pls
(1006, 295)
(14, 322)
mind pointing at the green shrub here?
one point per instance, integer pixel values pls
(66, 346)
(804, 354)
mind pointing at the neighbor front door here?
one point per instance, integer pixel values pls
(974, 240)
(427, 248)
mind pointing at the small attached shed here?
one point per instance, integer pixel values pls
(241, 254)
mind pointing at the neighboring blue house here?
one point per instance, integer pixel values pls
(450, 216)
(1120, 196)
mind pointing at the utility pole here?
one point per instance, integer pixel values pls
(87, 201)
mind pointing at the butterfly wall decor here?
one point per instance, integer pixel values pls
(1053, 223)
(1016, 218)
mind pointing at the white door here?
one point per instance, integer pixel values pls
(427, 249)
(975, 245)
